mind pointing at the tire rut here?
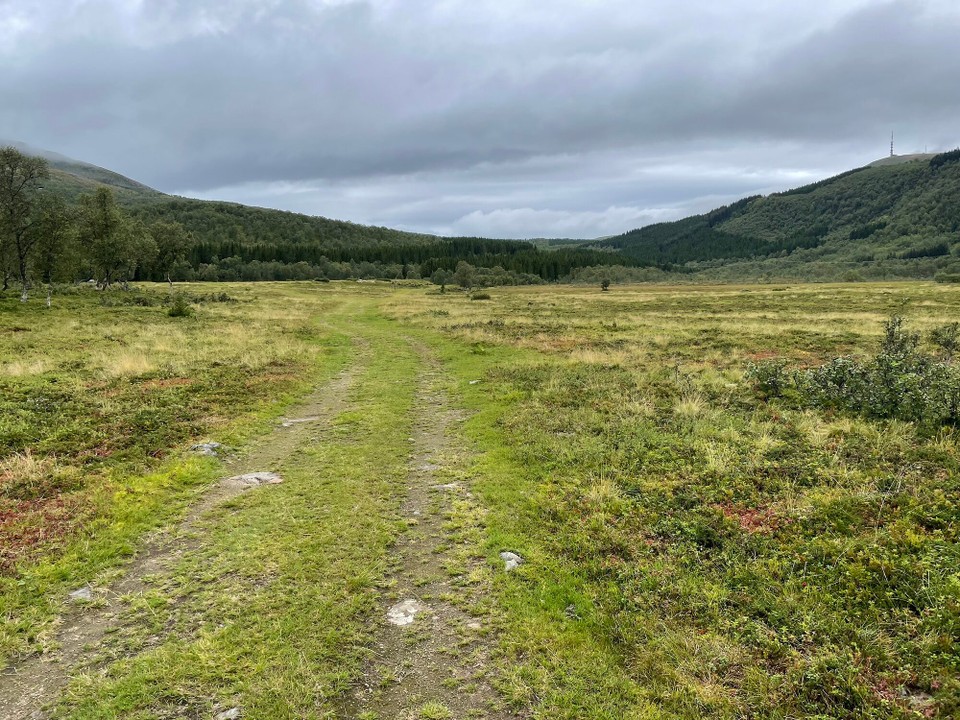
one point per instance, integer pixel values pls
(36, 682)
(431, 654)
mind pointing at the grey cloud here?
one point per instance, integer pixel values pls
(568, 118)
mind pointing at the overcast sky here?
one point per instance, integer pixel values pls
(503, 118)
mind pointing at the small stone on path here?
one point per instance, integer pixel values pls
(448, 486)
(510, 560)
(231, 714)
(210, 449)
(84, 594)
(290, 422)
(254, 479)
(403, 613)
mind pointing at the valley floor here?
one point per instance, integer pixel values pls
(687, 549)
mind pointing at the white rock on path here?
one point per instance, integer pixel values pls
(210, 449)
(231, 714)
(510, 560)
(254, 479)
(290, 422)
(84, 594)
(404, 612)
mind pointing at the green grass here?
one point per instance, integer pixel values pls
(722, 556)
(270, 613)
(98, 406)
(692, 550)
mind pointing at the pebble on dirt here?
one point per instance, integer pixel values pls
(403, 613)
(210, 449)
(290, 422)
(83, 594)
(231, 714)
(252, 480)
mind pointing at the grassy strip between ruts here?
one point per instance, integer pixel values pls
(269, 612)
(121, 502)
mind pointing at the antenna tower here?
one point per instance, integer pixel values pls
(891, 144)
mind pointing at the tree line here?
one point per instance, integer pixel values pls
(418, 260)
(43, 240)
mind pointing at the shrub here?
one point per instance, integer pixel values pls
(947, 338)
(112, 299)
(220, 297)
(180, 307)
(899, 382)
(480, 296)
(770, 377)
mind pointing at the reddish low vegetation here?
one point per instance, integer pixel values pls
(28, 527)
(753, 520)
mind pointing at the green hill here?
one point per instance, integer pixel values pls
(71, 178)
(239, 242)
(896, 218)
(889, 219)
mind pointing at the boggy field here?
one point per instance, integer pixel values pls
(699, 539)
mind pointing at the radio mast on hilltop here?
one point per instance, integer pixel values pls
(891, 143)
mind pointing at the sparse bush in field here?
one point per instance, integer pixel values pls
(899, 382)
(180, 307)
(605, 284)
(770, 378)
(480, 296)
(220, 297)
(947, 338)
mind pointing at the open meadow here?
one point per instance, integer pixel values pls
(698, 538)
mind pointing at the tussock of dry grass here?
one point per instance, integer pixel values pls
(22, 368)
(24, 469)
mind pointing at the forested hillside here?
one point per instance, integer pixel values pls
(65, 220)
(899, 217)
(884, 220)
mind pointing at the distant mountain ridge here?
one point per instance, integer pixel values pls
(896, 217)
(900, 159)
(71, 178)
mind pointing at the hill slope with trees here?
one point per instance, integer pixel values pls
(896, 218)
(883, 220)
(66, 220)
